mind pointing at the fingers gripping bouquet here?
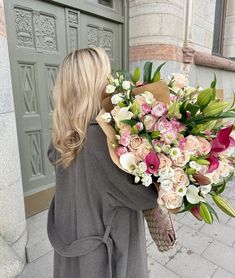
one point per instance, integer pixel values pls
(171, 135)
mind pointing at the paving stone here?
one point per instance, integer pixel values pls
(221, 232)
(148, 237)
(157, 270)
(193, 240)
(231, 222)
(221, 273)
(188, 264)
(162, 257)
(191, 221)
(40, 268)
(222, 255)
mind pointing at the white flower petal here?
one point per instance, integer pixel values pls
(192, 194)
(127, 161)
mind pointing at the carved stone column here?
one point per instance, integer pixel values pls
(13, 234)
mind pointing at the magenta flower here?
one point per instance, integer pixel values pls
(196, 212)
(223, 140)
(214, 163)
(152, 161)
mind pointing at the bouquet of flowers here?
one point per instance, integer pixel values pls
(174, 136)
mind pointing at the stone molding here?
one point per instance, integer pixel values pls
(186, 55)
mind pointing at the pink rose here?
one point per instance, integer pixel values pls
(169, 199)
(159, 109)
(177, 125)
(143, 150)
(120, 150)
(149, 122)
(163, 125)
(146, 108)
(125, 140)
(204, 147)
(180, 177)
(139, 126)
(165, 162)
(135, 142)
(191, 144)
(181, 160)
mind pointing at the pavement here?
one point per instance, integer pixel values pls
(202, 250)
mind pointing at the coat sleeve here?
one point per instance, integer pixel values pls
(120, 185)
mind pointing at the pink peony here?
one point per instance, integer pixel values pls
(163, 125)
(146, 108)
(159, 109)
(152, 161)
(120, 150)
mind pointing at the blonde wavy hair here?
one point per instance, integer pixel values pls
(81, 80)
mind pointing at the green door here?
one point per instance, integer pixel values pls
(40, 34)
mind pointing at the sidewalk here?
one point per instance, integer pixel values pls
(202, 251)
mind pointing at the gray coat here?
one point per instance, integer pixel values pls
(95, 221)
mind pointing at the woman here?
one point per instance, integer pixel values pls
(95, 221)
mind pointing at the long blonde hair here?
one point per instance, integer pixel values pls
(81, 80)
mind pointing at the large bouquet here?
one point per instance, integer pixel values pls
(174, 136)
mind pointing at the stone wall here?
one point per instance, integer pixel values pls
(13, 234)
(229, 32)
(181, 33)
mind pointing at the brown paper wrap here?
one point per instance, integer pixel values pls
(158, 219)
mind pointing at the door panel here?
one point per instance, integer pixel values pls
(40, 34)
(38, 45)
(102, 33)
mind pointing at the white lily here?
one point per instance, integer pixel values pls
(123, 114)
(149, 97)
(127, 161)
(192, 195)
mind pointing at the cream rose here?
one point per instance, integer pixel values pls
(180, 177)
(181, 160)
(149, 122)
(165, 162)
(135, 142)
(191, 144)
(170, 199)
(143, 150)
(204, 147)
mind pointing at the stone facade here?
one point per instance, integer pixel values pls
(13, 235)
(181, 33)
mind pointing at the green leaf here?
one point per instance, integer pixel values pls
(147, 136)
(221, 188)
(136, 76)
(157, 73)
(129, 122)
(192, 108)
(213, 83)
(188, 207)
(147, 71)
(211, 209)
(205, 213)
(155, 134)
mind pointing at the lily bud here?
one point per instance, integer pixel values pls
(214, 108)
(205, 213)
(224, 205)
(201, 179)
(205, 97)
(196, 213)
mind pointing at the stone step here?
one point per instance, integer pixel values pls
(38, 243)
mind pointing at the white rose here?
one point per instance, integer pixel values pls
(110, 89)
(166, 173)
(166, 185)
(147, 180)
(126, 85)
(142, 167)
(116, 99)
(107, 117)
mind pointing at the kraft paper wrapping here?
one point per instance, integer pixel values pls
(158, 219)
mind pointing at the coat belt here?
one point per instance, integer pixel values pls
(81, 246)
